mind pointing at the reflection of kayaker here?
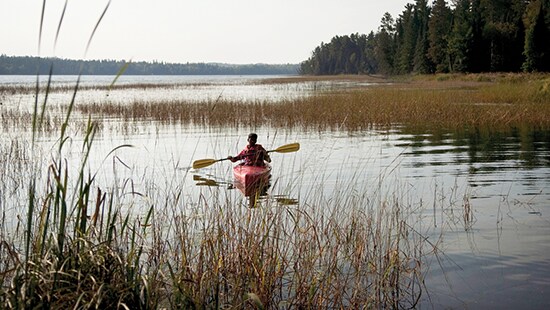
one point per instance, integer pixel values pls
(253, 154)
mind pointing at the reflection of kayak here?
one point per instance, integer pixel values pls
(250, 179)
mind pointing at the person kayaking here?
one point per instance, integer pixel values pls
(253, 154)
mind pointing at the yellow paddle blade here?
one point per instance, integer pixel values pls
(201, 163)
(288, 148)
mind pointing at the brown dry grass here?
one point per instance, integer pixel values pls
(444, 103)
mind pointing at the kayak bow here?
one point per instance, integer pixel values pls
(250, 179)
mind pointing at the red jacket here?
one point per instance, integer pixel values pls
(253, 155)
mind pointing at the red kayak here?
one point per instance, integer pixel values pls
(249, 179)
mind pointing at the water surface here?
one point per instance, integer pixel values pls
(495, 256)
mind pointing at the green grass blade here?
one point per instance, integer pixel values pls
(59, 25)
(96, 26)
(119, 73)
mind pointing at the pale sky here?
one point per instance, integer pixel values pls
(227, 31)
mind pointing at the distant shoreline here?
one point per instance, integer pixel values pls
(32, 65)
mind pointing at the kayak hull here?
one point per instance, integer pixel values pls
(251, 179)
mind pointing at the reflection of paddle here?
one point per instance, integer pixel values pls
(201, 181)
(287, 148)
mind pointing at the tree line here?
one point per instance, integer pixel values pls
(29, 65)
(460, 36)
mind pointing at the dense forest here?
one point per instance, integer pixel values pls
(33, 65)
(455, 36)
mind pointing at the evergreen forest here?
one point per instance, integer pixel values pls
(444, 36)
(30, 65)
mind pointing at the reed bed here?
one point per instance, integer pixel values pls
(299, 257)
(373, 79)
(497, 102)
(89, 245)
(82, 246)
(441, 104)
(12, 120)
(6, 90)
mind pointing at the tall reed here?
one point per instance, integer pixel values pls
(87, 250)
(295, 257)
(66, 257)
(445, 104)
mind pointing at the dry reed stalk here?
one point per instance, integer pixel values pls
(496, 102)
(293, 256)
(497, 106)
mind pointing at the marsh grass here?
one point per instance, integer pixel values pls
(86, 248)
(449, 104)
(297, 257)
(6, 90)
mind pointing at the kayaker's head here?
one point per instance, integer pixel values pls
(252, 139)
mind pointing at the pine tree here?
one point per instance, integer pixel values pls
(439, 29)
(406, 37)
(421, 61)
(384, 46)
(503, 33)
(370, 64)
(461, 38)
(537, 50)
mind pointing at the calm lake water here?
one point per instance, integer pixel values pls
(497, 258)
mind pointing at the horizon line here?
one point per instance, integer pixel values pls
(152, 61)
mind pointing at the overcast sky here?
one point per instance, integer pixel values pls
(228, 31)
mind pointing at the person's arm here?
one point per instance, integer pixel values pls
(238, 157)
(266, 155)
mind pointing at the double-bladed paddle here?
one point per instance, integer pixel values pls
(287, 148)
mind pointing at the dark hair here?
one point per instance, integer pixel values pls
(253, 136)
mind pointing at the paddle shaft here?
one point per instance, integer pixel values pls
(201, 163)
